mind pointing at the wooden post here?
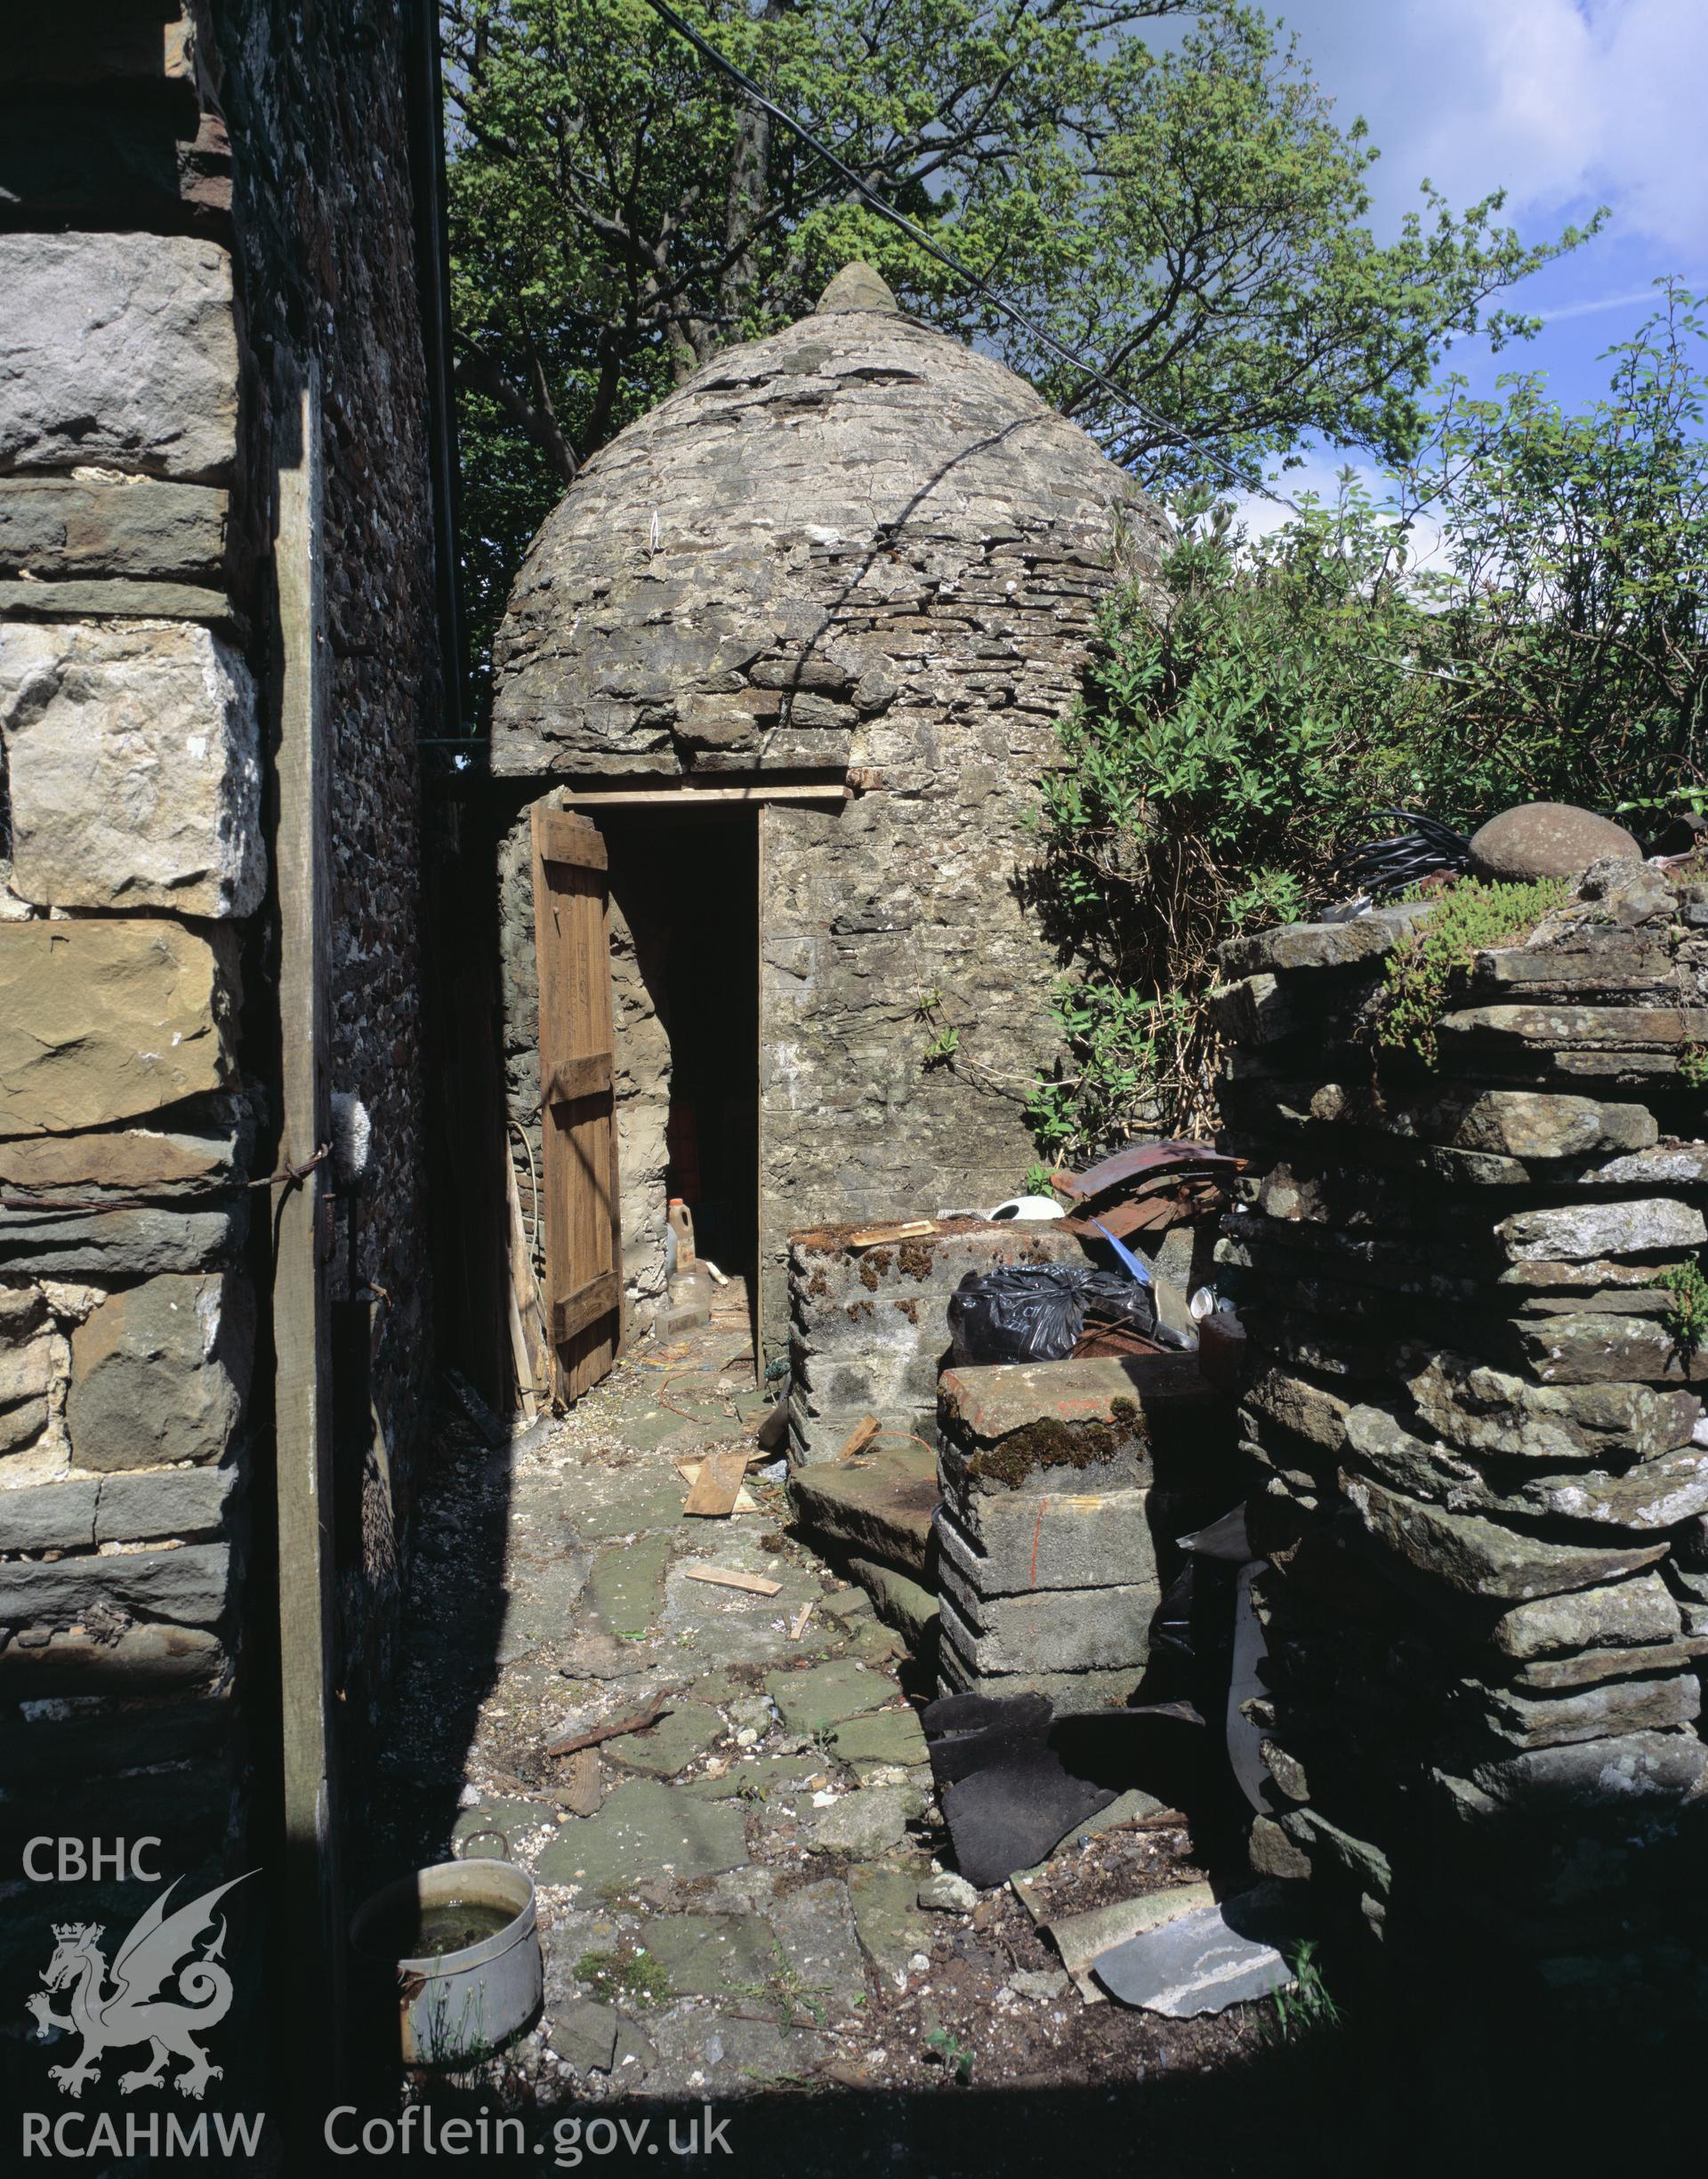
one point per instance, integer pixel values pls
(302, 1302)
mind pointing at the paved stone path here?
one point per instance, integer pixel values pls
(740, 1910)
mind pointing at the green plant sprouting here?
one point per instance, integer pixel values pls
(1308, 2008)
(1470, 918)
(1687, 1319)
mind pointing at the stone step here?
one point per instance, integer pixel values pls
(1072, 1694)
(1032, 1427)
(880, 1507)
(897, 1601)
(1052, 1630)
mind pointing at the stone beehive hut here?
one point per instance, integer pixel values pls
(830, 601)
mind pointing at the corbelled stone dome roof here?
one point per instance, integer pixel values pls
(710, 593)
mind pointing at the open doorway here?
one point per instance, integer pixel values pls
(686, 882)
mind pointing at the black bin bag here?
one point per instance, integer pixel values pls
(1036, 1312)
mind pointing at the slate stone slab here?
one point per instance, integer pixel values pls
(1574, 1230)
(509, 1819)
(902, 1603)
(1484, 1558)
(886, 1736)
(1488, 1410)
(824, 1695)
(584, 2034)
(1361, 943)
(866, 1823)
(689, 1731)
(627, 1585)
(881, 1509)
(1047, 1630)
(1624, 1615)
(710, 1955)
(646, 1828)
(770, 1781)
(1629, 1771)
(1067, 1540)
(816, 1928)
(1197, 1963)
(892, 1927)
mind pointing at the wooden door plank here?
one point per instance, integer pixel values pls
(572, 1313)
(575, 1078)
(580, 1169)
(302, 1307)
(566, 838)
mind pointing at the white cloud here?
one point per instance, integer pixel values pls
(1563, 104)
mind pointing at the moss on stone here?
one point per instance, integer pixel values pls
(1047, 1443)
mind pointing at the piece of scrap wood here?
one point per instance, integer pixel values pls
(746, 1502)
(714, 1491)
(727, 1577)
(858, 1439)
(799, 1625)
(613, 1729)
(877, 1237)
(581, 1791)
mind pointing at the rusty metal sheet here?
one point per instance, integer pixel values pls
(1145, 1162)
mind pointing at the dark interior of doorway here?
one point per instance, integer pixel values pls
(687, 880)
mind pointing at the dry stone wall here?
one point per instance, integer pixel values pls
(1475, 1421)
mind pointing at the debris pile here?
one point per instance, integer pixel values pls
(868, 1318)
(1466, 1257)
(1047, 1573)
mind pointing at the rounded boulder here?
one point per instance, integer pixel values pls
(1547, 839)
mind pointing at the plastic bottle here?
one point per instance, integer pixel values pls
(681, 1224)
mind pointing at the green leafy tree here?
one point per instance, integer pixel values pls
(1576, 585)
(1186, 212)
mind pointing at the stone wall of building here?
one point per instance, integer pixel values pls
(1480, 1454)
(132, 863)
(147, 296)
(330, 172)
(855, 550)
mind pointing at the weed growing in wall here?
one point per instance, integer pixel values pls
(1471, 917)
(1686, 1319)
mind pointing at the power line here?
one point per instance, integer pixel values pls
(946, 258)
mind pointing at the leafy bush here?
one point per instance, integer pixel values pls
(1230, 743)
(1225, 747)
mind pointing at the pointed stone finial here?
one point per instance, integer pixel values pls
(857, 287)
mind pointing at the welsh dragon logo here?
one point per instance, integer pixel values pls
(132, 2011)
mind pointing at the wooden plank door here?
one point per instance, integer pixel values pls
(584, 1239)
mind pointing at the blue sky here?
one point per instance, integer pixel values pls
(1566, 104)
